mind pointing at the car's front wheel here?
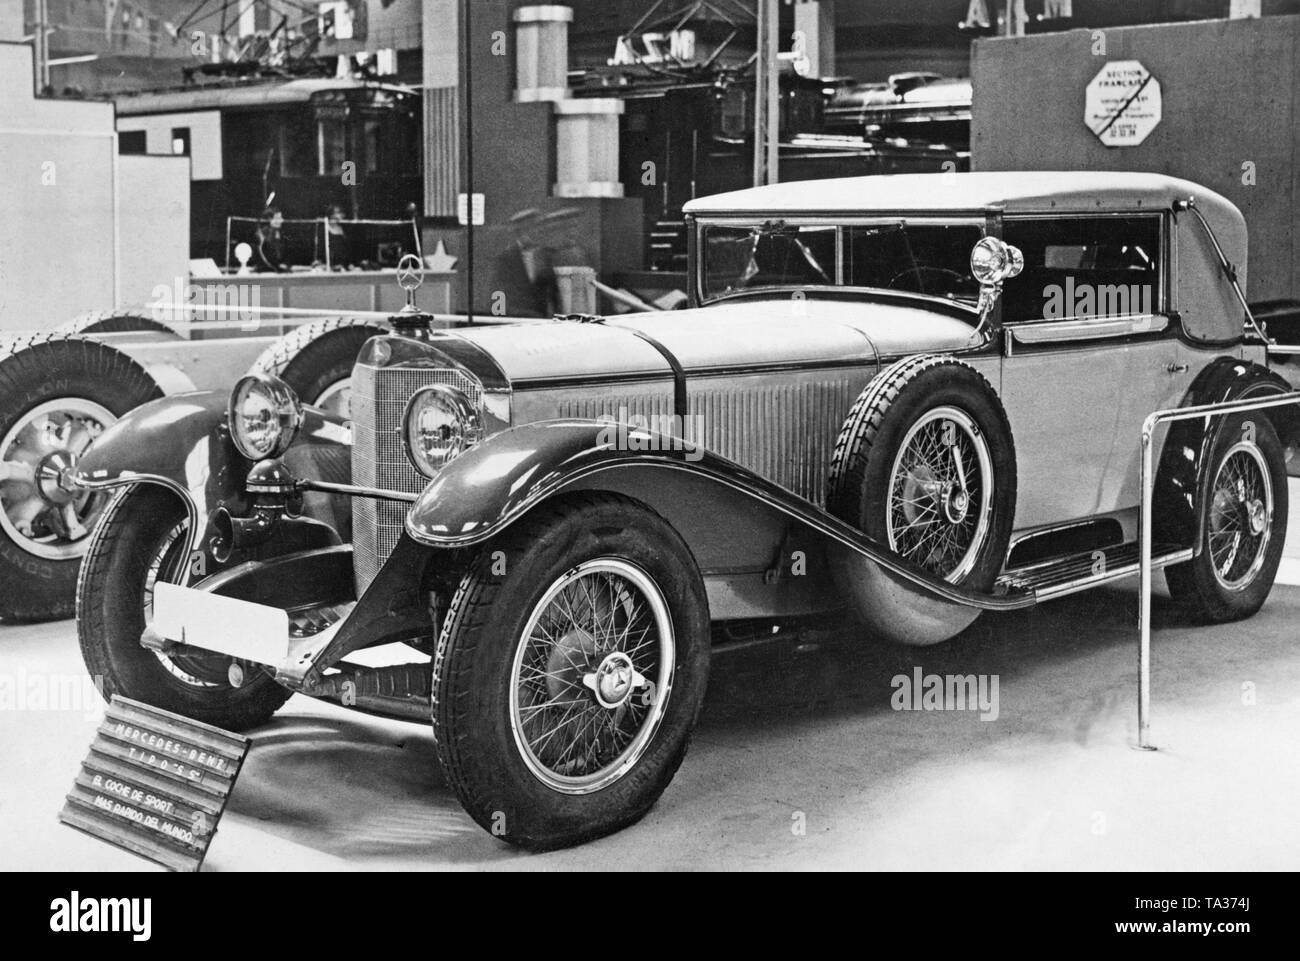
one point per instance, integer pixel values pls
(570, 672)
(140, 543)
(1243, 519)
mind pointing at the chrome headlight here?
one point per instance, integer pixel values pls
(440, 423)
(264, 416)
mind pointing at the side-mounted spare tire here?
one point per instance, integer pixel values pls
(316, 360)
(60, 392)
(925, 464)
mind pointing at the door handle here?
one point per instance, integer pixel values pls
(1178, 368)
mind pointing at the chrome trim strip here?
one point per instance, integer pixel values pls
(879, 294)
(1065, 331)
(1112, 574)
(124, 481)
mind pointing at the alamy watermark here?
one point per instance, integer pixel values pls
(652, 432)
(183, 301)
(1085, 301)
(75, 914)
(946, 692)
(39, 691)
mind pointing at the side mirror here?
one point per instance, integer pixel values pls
(992, 263)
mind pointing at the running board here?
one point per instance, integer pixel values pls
(1080, 572)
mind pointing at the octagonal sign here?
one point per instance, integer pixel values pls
(1123, 104)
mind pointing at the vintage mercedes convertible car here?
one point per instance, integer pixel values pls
(911, 399)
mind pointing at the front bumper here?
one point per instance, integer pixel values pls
(297, 616)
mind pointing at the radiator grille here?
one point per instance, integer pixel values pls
(379, 399)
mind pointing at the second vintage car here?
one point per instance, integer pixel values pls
(912, 398)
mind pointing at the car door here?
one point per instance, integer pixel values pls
(1088, 353)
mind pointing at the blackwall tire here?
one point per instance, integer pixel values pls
(316, 360)
(508, 682)
(139, 542)
(59, 393)
(916, 507)
(1222, 583)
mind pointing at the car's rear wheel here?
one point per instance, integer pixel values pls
(1242, 513)
(566, 688)
(141, 542)
(925, 465)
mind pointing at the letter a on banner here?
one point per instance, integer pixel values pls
(977, 14)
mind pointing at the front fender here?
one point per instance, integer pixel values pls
(742, 529)
(182, 443)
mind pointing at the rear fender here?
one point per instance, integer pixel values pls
(763, 551)
(1189, 443)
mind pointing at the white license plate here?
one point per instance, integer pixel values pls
(242, 629)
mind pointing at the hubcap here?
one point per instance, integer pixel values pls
(1241, 516)
(614, 680)
(941, 494)
(591, 676)
(956, 503)
(41, 510)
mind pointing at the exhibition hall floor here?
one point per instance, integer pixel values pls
(799, 761)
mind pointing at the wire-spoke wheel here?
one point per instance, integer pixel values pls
(592, 675)
(1242, 518)
(565, 689)
(142, 542)
(941, 493)
(167, 566)
(1241, 505)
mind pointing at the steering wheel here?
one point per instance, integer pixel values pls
(921, 272)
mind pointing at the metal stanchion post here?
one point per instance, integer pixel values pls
(1144, 589)
(1147, 481)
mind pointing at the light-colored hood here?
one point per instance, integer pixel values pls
(729, 335)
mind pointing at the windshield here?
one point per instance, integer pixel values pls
(924, 258)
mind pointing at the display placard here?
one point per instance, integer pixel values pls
(1124, 103)
(155, 783)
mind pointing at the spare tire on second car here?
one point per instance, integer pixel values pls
(925, 464)
(60, 392)
(316, 360)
